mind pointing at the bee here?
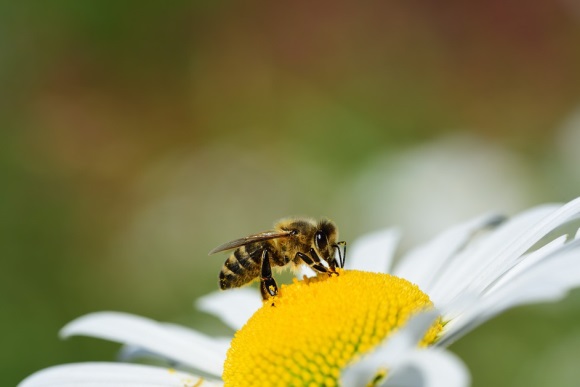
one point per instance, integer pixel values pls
(294, 241)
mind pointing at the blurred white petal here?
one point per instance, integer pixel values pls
(434, 185)
(234, 307)
(112, 375)
(305, 270)
(431, 367)
(384, 356)
(423, 264)
(373, 252)
(408, 365)
(194, 349)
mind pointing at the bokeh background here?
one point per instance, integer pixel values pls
(136, 136)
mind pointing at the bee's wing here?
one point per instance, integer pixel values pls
(250, 239)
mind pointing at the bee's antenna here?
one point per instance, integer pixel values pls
(341, 256)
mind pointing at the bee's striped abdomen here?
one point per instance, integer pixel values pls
(241, 267)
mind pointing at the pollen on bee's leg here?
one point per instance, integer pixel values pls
(272, 299)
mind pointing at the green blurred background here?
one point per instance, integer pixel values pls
(136, 136)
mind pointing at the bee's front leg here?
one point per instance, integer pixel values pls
(313, 261)
(332, 263)
(268, 286)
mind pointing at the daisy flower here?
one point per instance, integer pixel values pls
(377, 323)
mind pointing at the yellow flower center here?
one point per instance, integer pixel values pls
(315, 327)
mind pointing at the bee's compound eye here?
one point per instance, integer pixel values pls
(320, 240)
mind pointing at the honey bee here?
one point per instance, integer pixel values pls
(293, 241)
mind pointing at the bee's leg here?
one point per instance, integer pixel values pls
(333, 263)
(331, 269)
(314, 263)
(268, 286)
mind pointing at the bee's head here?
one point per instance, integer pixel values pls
(325, 241)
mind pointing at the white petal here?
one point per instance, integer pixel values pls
(194, 349)
(471, 298)
(112, 375)
(528, 261)
(422, 265)
(373, 252)
(408, 365)
(498, 249)
(234, 307)
(222, 344)
(431, 367)
(132, 352)
(390, 352)
(305, 270)
(549, 280)
(528, 238)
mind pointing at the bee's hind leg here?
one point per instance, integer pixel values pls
(268, 286)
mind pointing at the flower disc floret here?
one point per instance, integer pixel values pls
(315, 327)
